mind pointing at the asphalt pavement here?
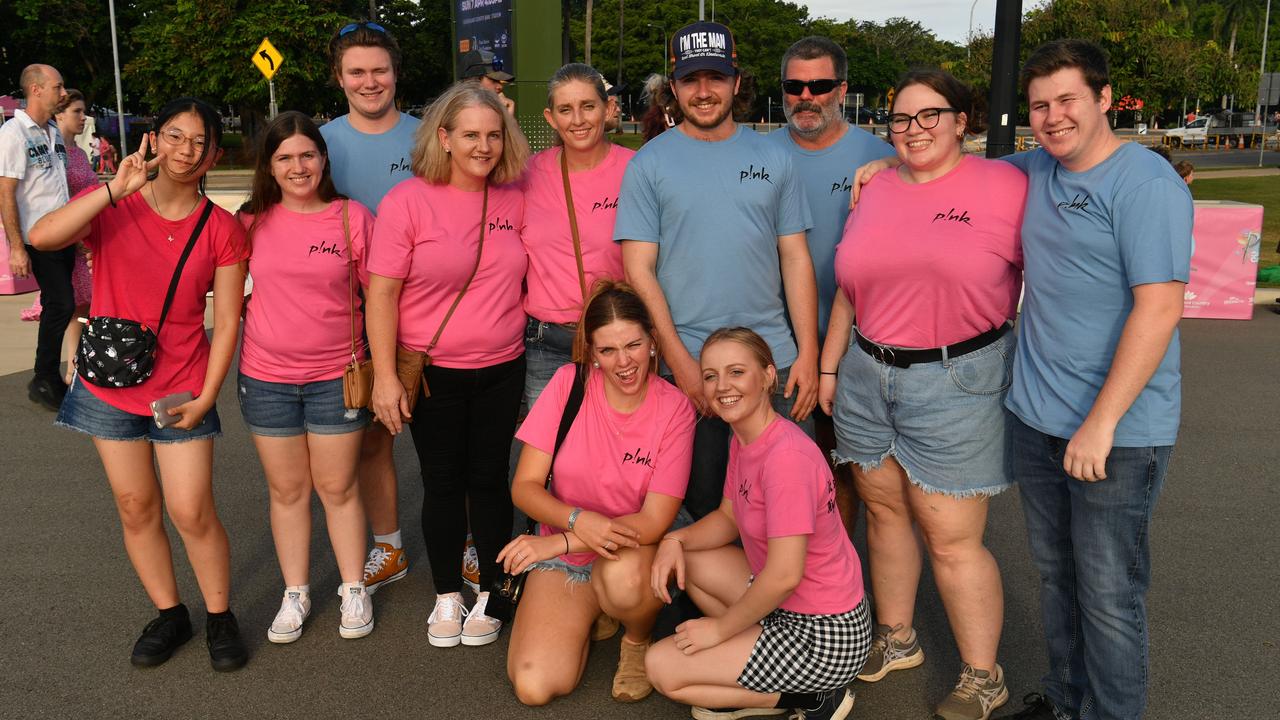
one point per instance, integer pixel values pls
(74, 606)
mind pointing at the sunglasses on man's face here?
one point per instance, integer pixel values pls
(356, 26)
(816, 87)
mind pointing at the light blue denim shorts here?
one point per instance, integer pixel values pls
(284, 410)
(945, 422)
(83, 411)
(573, 573)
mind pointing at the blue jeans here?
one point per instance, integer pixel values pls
(547, 348)
(1089, 544)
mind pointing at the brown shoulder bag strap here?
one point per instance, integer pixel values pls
(573, 223)
(484, 219)
(351, 276)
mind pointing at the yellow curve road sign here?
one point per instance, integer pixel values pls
(267, 58)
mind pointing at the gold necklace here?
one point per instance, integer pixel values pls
(152, 184)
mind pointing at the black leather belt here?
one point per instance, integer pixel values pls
(903, 358)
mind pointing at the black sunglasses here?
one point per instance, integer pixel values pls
(357, 25)
(816, 87)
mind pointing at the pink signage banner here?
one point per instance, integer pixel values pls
(9, 285)
(1224, 265)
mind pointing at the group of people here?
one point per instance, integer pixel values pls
(718, 358)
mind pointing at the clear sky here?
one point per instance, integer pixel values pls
(948, 19)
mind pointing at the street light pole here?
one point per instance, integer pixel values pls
(1262, 69)
(115, 57)
(666, 49)
(968, 45)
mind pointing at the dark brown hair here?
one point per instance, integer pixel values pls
(362, 36)
(752, 341)
(610, 301)
(1056, 55)
(957, 94)
(71, 97)
(265, 193)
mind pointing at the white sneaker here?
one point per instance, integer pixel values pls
(293, 612)
(357, 611)
(480, 629)
(444, 626)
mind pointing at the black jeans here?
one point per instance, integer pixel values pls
(463, 433)
(58, 303)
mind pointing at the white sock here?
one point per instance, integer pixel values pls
(392, 539)
(304, 589)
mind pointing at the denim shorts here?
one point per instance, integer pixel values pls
(83, 411)
(547, 348)
(284, 410)
(945, 422)
(573, 573)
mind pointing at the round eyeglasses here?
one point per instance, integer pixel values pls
(927, 119)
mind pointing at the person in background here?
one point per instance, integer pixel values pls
(80, 175)
(369, 150)
(485, 68)
(1186, 171)
(619, 477)
(307, 251)
(787, 624)
(137, 229)
(449, 240)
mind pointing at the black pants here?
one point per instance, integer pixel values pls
(58, 303)
(463, 433)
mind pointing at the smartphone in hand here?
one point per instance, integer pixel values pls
(160, 408)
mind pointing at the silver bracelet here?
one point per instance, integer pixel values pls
(573, 518)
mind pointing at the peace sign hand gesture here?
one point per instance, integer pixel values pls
(132, 172)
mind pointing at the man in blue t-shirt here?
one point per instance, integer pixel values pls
(825, 150)
(1097, 387)
(712, 219)
(369, 150)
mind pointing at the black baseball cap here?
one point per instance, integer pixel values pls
(482, 63)
(703, 46)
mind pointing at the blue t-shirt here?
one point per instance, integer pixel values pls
(1087, 239)
(716, 210)
(826, 175)
(365, 167)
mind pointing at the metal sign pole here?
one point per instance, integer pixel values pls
(1262, 68)
(271, 86)
(115, 56)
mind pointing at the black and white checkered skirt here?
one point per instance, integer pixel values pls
(797, 652)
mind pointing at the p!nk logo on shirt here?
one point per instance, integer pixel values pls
(605, 204)
(638, 457)
(953, 216)
(751, 173)
(842, 186)
(1076, 203)
(500, 224)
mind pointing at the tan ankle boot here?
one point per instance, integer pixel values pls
(630, 684)
(605, 628)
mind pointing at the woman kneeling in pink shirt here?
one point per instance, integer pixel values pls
(446, 267)
(620, 475)
(787, 624)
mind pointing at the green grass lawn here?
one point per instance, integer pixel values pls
(1264, 191)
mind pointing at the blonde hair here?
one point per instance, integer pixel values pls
(752, 341)
(429, 160)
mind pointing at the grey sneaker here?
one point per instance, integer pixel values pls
(889, 654)
(977, 693)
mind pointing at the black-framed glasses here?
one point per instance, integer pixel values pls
(816, 87)
(357, 25)
(927, 119)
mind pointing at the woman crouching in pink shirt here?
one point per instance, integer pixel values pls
(303, 325)
(446, 267)
(787, 624)
(620, 475)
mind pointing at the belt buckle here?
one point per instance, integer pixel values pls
(884, 355)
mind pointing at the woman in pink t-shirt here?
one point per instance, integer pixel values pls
(786, 623)
(302, 327)
(620, 475)
(446, 268)
(931, 267)
(137, 229)
(576, 109)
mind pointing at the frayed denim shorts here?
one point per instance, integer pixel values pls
(83, 411)
(283, 410)
(573, 573)
(945, 422)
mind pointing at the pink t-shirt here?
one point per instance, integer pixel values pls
(935, 263)
(554, 292)
(780, 485)
(427, 235)
(609, 460)
(297, 327)
(133, 262)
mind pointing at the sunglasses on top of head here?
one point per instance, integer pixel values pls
(357, 25)
(816, 87)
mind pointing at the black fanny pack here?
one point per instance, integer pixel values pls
(116, 352)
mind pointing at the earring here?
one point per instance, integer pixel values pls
(448, 150)
(595, 365)
(653, 352)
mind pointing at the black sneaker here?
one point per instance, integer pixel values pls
(1034, 707)
(836, 705)
(161, 637)
(226, 649)
(46, 392)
